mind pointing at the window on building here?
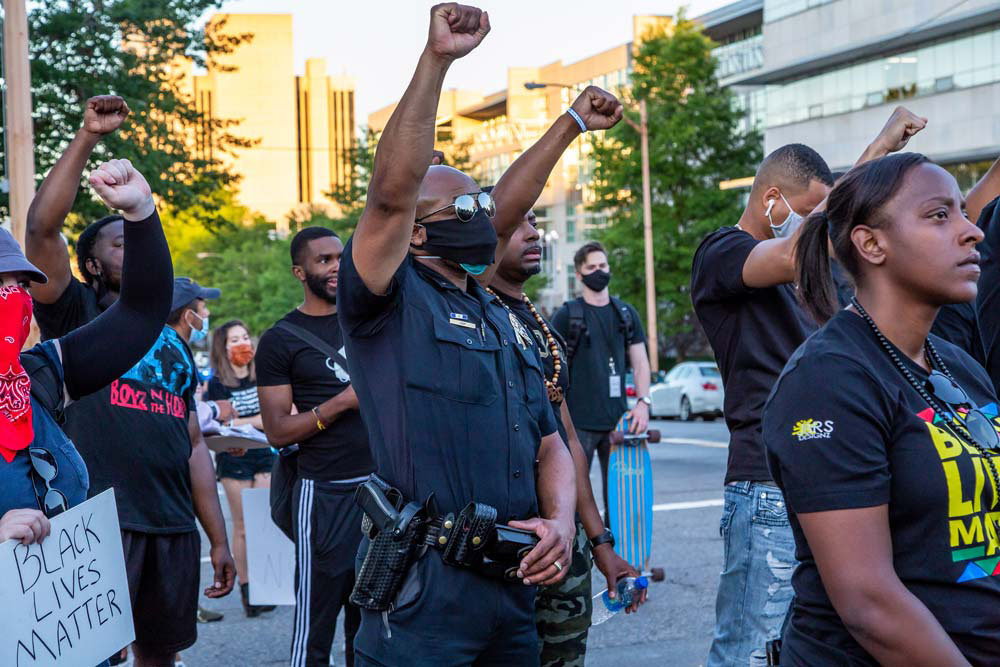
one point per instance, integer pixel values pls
(950, 64)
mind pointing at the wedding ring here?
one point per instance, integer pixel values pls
(558, 566)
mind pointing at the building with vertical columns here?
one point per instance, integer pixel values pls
(303, 126)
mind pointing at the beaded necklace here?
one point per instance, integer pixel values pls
(551, 386)
(936, 362)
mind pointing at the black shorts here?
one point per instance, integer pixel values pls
(244, 467)
(164, 574)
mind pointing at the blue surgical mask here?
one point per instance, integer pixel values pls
(198, 335)
(474, 269)
(791, 223)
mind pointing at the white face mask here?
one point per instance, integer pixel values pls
(791, 223)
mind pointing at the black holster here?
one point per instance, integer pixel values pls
(474, 540)
(397, 538)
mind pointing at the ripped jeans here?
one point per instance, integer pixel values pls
(755, 586)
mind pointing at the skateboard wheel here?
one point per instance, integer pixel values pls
(658, 574)
(653, 435)
(616, 437)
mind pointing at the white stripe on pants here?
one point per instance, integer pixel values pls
(304, 556)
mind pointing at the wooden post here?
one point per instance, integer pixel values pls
(647, 226)
(20, 142)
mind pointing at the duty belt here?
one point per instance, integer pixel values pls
(400, 532)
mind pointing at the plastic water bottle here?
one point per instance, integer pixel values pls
(605, 607)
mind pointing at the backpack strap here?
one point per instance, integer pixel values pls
(577, 327)
(625, 318)
(313, 341)
(46, 385)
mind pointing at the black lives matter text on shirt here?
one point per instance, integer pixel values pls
(521, 311)
(133, 434)
(602, 350)
(341, 451)
(844, 430)
(752, 332)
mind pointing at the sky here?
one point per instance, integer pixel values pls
(378, 41)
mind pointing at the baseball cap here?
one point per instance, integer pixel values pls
(187, 290)
(12, 259)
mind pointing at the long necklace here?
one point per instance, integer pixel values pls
(935, 360)
(551, 386)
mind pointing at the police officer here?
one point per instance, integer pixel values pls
(451, 392)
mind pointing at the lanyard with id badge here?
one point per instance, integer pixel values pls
(614, 380)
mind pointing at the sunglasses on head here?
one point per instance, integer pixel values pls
(978, 424)
(53, 501)
(466, 205)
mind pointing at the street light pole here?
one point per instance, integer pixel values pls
(647, 229)
(20, 144)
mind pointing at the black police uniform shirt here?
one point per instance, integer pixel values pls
(452, 395)
(340, 452)
(521, 311)
(601, 353)
(988, 301)
(753, 332)
(844, 430)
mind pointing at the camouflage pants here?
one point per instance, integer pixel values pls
(562, 612)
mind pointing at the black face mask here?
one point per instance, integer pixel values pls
(472, 243)
(597, 280)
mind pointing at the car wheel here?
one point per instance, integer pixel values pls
(685, 412)
(708, 418)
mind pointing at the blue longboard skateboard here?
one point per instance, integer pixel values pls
(630, 495)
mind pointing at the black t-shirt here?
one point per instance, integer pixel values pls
(341, 451)
(133, 434)
(753, 332)
(844, 430)
(520, 309)
(988, 301)
(76, 306)
(246, 404)
(601, 353)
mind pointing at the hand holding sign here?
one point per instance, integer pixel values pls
(28, 526)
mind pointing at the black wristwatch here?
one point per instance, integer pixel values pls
(604, 538)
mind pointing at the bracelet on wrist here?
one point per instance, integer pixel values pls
(575, 116)
(319, 420)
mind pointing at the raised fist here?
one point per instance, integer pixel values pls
(104, 114)
(122, 187)
(599, 109)
(456, 29)
(902, 125)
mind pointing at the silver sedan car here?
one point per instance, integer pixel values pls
(690, 389)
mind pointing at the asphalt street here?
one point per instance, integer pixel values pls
(673, 629)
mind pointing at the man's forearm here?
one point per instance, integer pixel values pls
(206, 500)
(556, 480)
(291, 429)
(983, 192)
(640, 369)
(523, 182)
(55, 196)
(586, 504)
(407, 142)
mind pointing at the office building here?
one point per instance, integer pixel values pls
(303, 127)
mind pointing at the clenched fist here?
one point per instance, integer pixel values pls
(599, 109)
(902, 125)
(104, 114)
(456, 30)
(122, 187)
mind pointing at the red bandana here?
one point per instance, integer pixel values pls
(16, 432)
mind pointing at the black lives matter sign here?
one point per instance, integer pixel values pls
(66, 599)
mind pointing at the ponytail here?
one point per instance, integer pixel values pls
(817, 292)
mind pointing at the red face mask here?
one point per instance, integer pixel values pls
(240, 354)
(16, 432)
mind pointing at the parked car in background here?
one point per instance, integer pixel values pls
(690, 389)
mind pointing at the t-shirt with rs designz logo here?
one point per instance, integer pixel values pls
(843, 429)
(341, 451)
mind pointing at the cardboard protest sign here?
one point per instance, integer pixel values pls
(270, 555)
(66, 599)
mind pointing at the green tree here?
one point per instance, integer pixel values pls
(142, 51)
(351, 197)
(695, 141)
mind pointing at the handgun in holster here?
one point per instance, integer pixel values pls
(396, 533)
